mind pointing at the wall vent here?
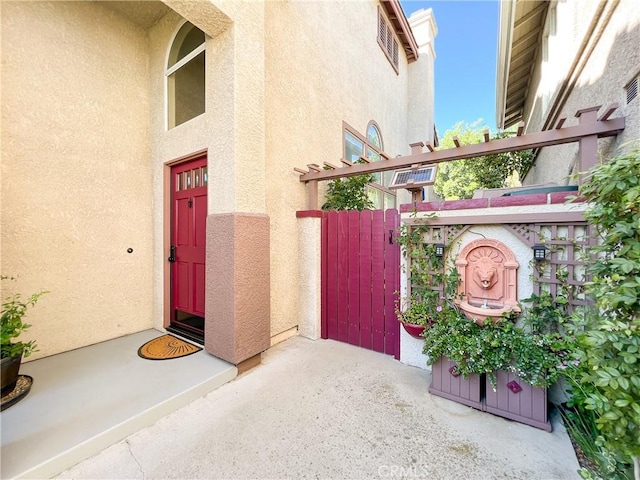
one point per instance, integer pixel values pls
(632, 90)
(414, 178)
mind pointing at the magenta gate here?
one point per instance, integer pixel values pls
(361, 278)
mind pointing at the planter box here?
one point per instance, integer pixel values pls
(457, 388)
(517, 400)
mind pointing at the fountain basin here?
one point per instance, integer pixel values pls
(483, 315)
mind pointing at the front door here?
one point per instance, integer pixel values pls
(188, 235)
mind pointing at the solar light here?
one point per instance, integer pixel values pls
(439, 250)
(539, 252)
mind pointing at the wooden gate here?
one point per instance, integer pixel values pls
(361, 278)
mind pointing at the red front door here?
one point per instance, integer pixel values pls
(188, 234)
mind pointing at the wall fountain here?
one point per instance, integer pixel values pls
(488, 281)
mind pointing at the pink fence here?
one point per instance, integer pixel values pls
(361, 278)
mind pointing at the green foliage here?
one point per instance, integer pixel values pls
(492, 347)
(415, 312)
(431, 284)
(608, 336)
(582, 426)
(545, 313)
(14, 308)
(349, 193)
(461, 178)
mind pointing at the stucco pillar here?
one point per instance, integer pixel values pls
(309, 273)
(421, 79)
(238, 293)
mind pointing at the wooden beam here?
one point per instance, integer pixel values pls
(312, 190)
(524, 38)
(346, 162)
(561, 121)
(430, 147)
(364, 159)
(608, 111)
(456, 142)
(486, 135)
(416, 148)
(300, 171)
(313, 166)
(520, 129)
(545, 138)
(530, 15)
(330, 165)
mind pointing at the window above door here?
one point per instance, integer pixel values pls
(185, 75)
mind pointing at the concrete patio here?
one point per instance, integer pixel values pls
(87, 399)
(323, 409)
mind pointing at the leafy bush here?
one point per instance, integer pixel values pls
(349, 193)
(608, 335)
(495, 346)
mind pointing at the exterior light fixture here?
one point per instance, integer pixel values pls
(539, 252)
(439, 250)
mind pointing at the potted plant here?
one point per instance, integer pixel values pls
(415, 316)
(495, 347)
(14, 308)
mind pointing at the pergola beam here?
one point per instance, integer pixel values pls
(604, 128)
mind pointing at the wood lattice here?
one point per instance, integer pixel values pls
(564, 271)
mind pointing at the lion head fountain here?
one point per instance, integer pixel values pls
(488, 280)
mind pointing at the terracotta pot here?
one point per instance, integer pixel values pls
(10, 368)
(413, 329)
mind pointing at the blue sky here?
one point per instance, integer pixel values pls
(465, 67)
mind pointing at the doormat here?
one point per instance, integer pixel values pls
(166, 347)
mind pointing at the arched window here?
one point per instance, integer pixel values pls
(185, 75)
(370, 146)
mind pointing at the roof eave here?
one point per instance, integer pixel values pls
(505, 34)
(396, 15)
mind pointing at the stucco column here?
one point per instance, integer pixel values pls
(421, 79)
(309, 273)
(238, 294)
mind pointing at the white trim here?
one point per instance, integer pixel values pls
(505, 33)
(197, 51)
(170, 70)
(166, 77)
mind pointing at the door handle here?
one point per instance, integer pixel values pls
(172, 254)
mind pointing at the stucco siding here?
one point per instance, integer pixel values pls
(76, 189)
(612, 62)
(323, 67)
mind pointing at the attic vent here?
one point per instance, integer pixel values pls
(386, 40)
(414, 178)
(632, 90)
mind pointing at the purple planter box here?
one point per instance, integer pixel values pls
(446, 384)
(517, 400)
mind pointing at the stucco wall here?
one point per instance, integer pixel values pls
(231, 130)
(323, 66)
(76, 189)
(613, 62)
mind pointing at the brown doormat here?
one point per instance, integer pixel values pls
(166, 347)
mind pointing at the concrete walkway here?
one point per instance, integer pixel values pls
(325, 409)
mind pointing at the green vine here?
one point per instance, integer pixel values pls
(431, 285)
(608, 335)
(349, 193)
